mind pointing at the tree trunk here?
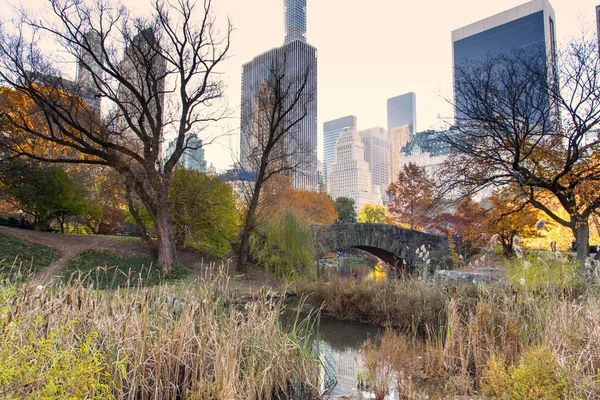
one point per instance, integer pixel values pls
(244, 251)
(138, 220)
(166, 238)
(582, 235)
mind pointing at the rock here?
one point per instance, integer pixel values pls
(463, 276)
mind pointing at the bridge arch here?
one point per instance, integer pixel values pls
(395, 245)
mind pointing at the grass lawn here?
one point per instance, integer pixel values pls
(108, 270)
(24, 256)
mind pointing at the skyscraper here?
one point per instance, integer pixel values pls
(350, 175)
(400, 137)
(598, 26)
(376, 155)
(528, 27)
(297, 60)
(331, 131)
(295, 20)
(402, 110)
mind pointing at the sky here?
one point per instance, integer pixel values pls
(368, 51)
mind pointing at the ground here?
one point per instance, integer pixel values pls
(71, 245)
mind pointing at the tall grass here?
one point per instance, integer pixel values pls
(189, 341)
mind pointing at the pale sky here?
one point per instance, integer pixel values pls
(368, 51)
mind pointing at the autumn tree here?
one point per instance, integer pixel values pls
(271, 146)
(412, 196)
(525, 121)
(346, 209)
(511, 215)
(372, 214)
(154, 76)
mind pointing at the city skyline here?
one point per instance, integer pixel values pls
(366, 55)
(345, 45)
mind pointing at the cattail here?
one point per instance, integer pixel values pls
(540, 224)
(518, 252)
(494, 240)
(517, 241)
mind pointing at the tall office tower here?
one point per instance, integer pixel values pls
(528, 27)
(350, 176)
(192, 157)
(376, 155)
(146, 72)
(402, 110)
(400, 137)
(295, 60)
(295, 20)
(598, 26)
(331, 131)
(89, 65)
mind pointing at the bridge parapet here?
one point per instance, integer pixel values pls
(395, 245)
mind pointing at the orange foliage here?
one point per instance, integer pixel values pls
(279, 196)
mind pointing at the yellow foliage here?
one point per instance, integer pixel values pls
(56, 365)
(537, 376)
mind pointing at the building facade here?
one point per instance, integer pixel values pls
(331, 131)
(295, 20)
(402, 110)
(376, 155)
(427, 150)
(350, 176)
(529, 27)
(399, 138)
(296, 60)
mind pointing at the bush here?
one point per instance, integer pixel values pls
(53, 365)
(283, 246)
(203, 212)
(537, 376)
(536, 273)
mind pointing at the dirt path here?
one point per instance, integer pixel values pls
(71, 245)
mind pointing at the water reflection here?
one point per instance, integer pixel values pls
(340, 344)
(361, 268)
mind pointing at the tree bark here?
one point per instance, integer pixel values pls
(166, 239)
(244, 251)
(582, 234)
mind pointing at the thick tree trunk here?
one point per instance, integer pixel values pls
(166, 238)
(582, 235)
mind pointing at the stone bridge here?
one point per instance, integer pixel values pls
(395, 245)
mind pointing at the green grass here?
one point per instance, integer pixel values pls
(24, 257)
(108, 270)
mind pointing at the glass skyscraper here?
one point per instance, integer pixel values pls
(296, 59)
(528, 27)
(295, 20)
(402, 110)
(331, 132)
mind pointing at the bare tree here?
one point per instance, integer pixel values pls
(515, 125)
(154, 76)
(270, 145)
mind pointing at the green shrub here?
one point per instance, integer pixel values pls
(283, 245)
(203, 212)
(53, 365)
(537, 376)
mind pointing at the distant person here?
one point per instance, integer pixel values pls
(574, 245)
(553, 246)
